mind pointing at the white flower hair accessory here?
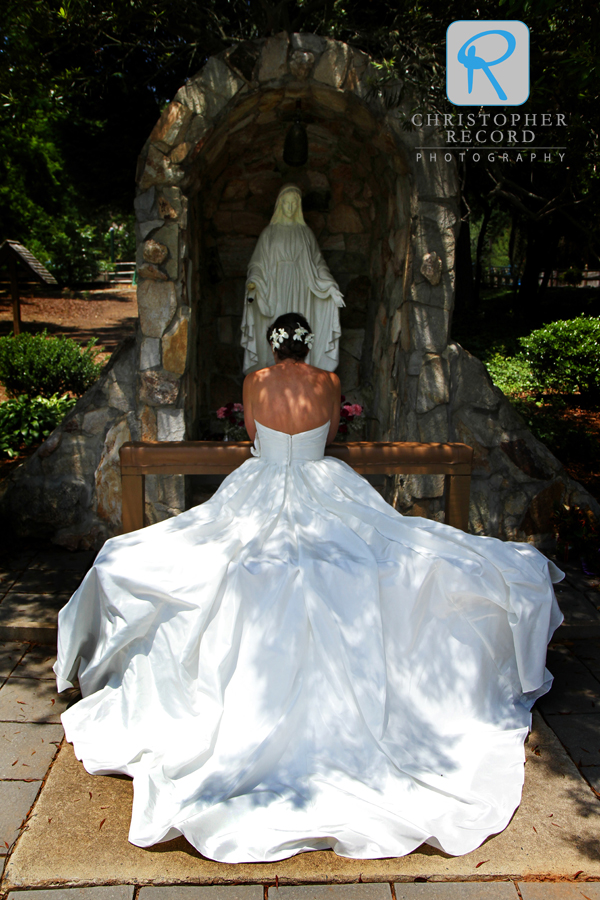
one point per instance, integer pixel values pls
(278, 336)
(303, 334)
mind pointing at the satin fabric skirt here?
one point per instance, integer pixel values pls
(295, 666)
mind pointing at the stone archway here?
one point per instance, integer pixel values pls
(208, 178)
(387, 224)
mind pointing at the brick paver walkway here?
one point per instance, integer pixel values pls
(35, 583)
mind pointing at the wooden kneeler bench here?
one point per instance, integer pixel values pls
(139, 459)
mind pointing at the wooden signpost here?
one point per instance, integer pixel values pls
(13, 255)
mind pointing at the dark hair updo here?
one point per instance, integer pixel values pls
(293, 346)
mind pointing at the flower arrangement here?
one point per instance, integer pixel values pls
(232, 415)
(351, 420)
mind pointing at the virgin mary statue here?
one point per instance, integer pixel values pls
(287, 273)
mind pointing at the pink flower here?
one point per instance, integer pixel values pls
(356, 409)
(221, 412)
(238, 407)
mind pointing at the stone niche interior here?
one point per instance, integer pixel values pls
(351, 196)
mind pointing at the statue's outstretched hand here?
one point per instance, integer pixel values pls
(337, 297)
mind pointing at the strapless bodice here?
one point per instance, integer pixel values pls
(286, 449)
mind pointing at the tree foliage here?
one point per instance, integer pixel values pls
(82, 83)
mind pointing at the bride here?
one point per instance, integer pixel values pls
(294, 666)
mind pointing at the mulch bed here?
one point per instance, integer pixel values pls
(585, 471)
(108, 314)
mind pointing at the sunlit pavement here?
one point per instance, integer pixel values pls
(53, 838)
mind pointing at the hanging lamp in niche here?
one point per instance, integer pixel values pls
(295, 148)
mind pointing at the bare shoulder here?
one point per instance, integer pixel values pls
(329, 378)
(256, 378)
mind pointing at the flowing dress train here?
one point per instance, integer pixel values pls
(293, 665)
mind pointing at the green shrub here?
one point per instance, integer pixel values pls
(565, 355)
(512, 374)
(38, 365)
(28, 420)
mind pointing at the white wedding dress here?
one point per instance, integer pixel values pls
(293, 666)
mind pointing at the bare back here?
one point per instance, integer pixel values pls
(292, 397)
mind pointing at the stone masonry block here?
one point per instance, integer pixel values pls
(170, 425)
(333, 64)
(311, 42)
(168, 236)
(472, 384)
(172, 124)
(301, 62)
(158, 388)
(156, 305)
(428, 328)
(273, 60)
(149, 353)
(108, 474)
(433, 387)
(144, 204)
(220, 85)
(174, 344)
(159, 170)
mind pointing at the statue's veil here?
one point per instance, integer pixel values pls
(277, 217)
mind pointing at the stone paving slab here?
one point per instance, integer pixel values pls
(581, 736)
(38, 580)
(589, 654)
(465, 890)
(31, 617)
(27, 750)
(10, 654)
(109, 892)
(28, 700)
(332, 892)
(575, 689)
(11, 568)
(581, 610)
(204, 892)
(561, 891)
(37, 663)
(16, 798)
(592, 774)
(76, 839)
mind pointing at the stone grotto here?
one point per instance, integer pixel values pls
(387, 225)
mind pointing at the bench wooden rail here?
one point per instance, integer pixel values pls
(139, 459)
